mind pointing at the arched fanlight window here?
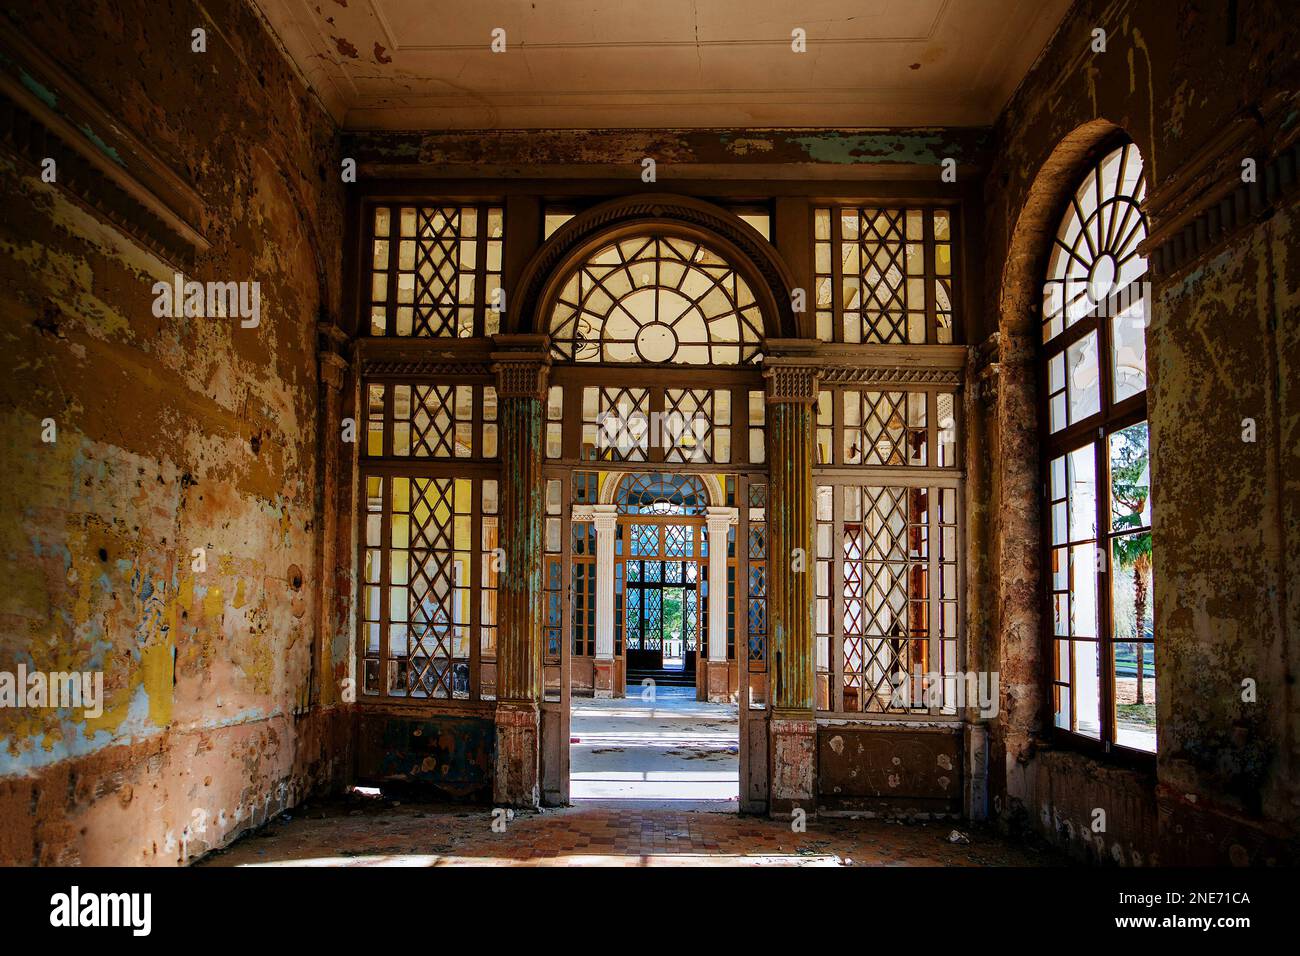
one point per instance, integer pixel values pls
(665, 494)
(1097, 532)
(656, 299)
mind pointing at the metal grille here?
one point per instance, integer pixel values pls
(430, 421)
(884, 428)
(615, 424)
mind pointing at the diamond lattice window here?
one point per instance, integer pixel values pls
(436, 270)
(884, 275)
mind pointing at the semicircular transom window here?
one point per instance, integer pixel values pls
(663, 494)
(656, 299)
(1095, 254)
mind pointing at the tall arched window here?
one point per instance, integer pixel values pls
(1097, 534)
(656, 299)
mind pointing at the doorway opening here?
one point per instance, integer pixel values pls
(658, 738)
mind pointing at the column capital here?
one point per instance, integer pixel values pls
(791, 384)
(605, 517)
(791, 368)
(522, 365)
(718, 519)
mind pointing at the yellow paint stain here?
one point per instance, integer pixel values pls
(157, 679)
(259, 664)
(213, 605)
(240, 599)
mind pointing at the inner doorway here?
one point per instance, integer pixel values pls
(658, 737)
(664, 608)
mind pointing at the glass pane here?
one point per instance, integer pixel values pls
(1132, 578)
(1135, 696)
(1087, 689)
(1083, 493)
(1130, 479)
(1129, 351)
(1084, 380)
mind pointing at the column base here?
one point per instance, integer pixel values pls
(516, 781)
(603, 678)
(718, 682)
(793, 742)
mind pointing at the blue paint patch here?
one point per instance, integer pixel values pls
(104, 148)
(43, 93)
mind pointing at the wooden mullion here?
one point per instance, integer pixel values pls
(654, 449)
(480, 266)
(394, 257)
(934, 534)
(930, 271)
(476, 588)
(837, 596)
(366, 267)
(566, 583)
(742, 587)
(390, 411)
(956, 255)
(571, 423)
(1104, 649)
(837, 274)
(932, 427)
(385, 576)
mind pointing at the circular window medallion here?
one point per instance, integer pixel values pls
(1101, 277)
(656, 342)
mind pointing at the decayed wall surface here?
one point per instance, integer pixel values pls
(1178, 78)
(172, 435)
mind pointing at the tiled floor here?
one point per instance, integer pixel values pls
(654, 783)
(377, 832)
(669, 748)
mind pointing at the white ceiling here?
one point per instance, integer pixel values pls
(590, 64)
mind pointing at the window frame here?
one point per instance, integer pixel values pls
(483, 207)
(929, 274)
(1095, 430)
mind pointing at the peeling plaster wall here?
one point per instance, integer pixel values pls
(173, 434)
(723, 152)
(1222, 346)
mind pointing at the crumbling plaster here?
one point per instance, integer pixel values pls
(1221, 348)
(172, 435)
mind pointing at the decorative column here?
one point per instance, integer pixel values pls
(718, 678)
(605, 518)
(521, 366)
(791, 377)
(327, 683)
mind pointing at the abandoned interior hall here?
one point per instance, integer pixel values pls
(661, 422)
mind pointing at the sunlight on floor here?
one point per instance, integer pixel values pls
(672, 748)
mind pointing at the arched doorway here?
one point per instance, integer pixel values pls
(655, 467)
